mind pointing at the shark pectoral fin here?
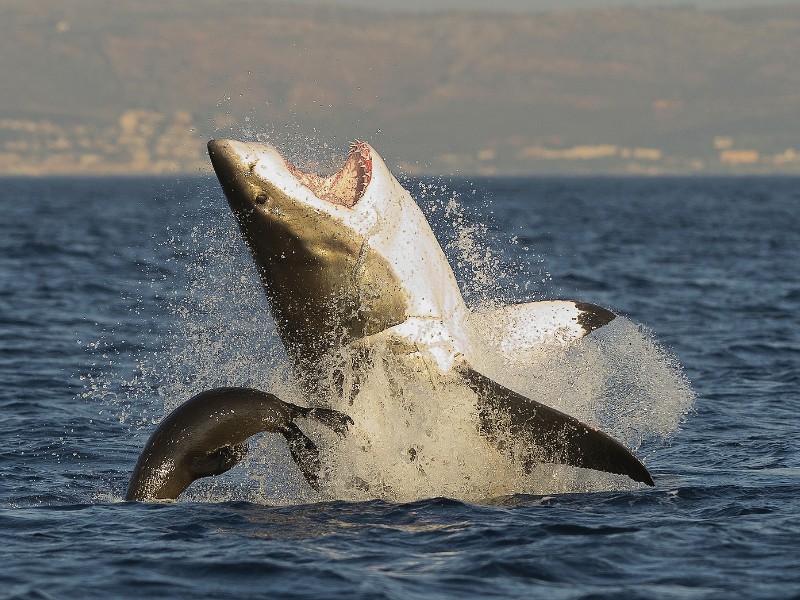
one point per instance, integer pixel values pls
(546, 434)
(217, 461)
(304, 452)
(521, 327)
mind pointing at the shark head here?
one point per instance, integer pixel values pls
(261, 185)
(341, 257)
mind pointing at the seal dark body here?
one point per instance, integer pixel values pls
(207, 435)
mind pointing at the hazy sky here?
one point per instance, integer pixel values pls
(534, 5)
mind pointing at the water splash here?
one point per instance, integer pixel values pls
(412, 438)
(415, 438)
(485, 278)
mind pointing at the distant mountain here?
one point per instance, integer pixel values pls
(91, 86)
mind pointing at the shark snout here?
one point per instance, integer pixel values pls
(225, 160)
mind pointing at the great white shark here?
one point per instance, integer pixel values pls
(349, 263)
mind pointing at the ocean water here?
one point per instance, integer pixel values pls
(119, 298)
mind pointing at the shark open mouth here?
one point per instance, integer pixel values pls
(348, 184)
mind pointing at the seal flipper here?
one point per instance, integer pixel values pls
(304, 452)
(332, 419)
(218, 461)
(557, 437)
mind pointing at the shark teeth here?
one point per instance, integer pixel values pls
(361, 151)
(347, 186)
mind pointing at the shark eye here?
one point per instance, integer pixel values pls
(261, 199)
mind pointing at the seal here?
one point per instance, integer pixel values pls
(349, 263)
(207, 435)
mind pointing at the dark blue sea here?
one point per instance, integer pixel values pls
(120, 297)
